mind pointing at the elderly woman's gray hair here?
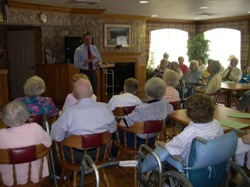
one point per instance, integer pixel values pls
(15, 113)
(171, 78)
(194, 62)
(34, 86)
(215, 66)
(155, 88)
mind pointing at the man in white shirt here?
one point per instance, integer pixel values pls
(128, 97)
(232, 73)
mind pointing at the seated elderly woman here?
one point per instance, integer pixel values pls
(33, 88)
(214, 80)
(175, 67)
(70, 99)
(19, 134)
(171, 79)
(193, 74)
(158, 72)
(156, 108)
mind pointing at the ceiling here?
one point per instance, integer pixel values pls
(165, 9)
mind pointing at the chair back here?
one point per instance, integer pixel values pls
(121, 111)
(40, 120)
(176, 105)
(68, 149)
(22, 155)
(139, 127)
(208, 159)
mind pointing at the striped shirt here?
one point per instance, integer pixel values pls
(181, 144)
(171, 94)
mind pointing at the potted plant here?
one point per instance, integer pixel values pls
(150, 67)
(198, 46)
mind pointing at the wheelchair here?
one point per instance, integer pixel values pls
(207, 164)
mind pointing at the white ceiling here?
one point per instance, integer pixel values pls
(165, 9)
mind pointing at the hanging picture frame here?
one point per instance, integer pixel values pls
(117, 35)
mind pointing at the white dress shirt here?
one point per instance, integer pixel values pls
(125, 99)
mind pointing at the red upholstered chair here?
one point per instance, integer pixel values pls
(24, 155)
(82, 143)
(139, 127)
(119, 112)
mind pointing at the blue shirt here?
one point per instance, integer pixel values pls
(81, 55)
(85, 117)
(192, 77)
(244, 76)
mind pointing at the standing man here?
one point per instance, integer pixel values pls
(87, 59)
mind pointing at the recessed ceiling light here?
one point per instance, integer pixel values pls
(196, 18)
(203, 7)
(249, 12)
(154, 16)
(144, 1)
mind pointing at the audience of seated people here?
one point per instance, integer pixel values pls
(21, 134)
(158, 72)
(246, 76)
(156, 108)
(200, 109)
(127, 97)
(214, 80)
(171, 79)
(175, 67)
(182, 66)
(202, 66)
(33, 88)
(85, 117)
(70, 99)
(232, 73)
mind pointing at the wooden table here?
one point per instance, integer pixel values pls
(220, 113)
(230, 87)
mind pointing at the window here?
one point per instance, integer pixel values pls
(223, 43)
(172, 41)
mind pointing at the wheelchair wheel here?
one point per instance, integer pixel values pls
(175, 179)
(153, 178)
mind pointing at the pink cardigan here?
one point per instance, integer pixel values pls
(22, 136)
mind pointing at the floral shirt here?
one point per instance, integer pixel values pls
(39, 105)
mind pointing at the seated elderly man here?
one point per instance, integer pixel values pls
(128, 97)
(232, 73)
(85, 117)
(214, 80)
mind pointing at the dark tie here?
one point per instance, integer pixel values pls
(90, 64)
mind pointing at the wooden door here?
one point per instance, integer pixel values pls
(21, 56)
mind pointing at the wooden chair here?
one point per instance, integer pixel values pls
(169, 124)
(139, 127)
(214, 96)
(119, 112)
(22, 155)
(42, 120)
(82, 143)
